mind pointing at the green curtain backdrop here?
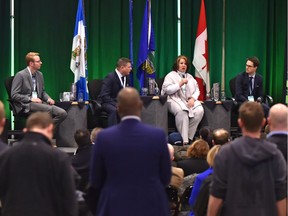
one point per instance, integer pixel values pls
(253, 27)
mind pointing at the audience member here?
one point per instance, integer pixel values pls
(182, 101)
(249, 176)
(3, 145)
(196, 161)
(37, 179)
(278, 127)
(94, 133)
(201, 177)
(176, 140)
(81, 159)
(112, 84)
(206, 134)
(28, 92)
(131, 161)
(177, 173)
(220, 136)
(249, 84)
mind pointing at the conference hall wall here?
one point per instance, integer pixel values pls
(252, 27)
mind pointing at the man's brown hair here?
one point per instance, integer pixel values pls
(251, 115)
(39, 120)
(30, 57)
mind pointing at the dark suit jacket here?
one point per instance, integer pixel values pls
(110, 87)
(22, 87)
(193, 165)
(38, 179)
(281, 141)
(242, 87)
(3, 146)
(130, 168)
(81, 163)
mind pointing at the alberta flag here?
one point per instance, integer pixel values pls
(78, 63)
(200, 60)
(145, 66)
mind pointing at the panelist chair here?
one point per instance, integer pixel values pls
(97, 117)
(19, 118)
(171, 117)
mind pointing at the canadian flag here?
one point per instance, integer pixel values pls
(200, 60)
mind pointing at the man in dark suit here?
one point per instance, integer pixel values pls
(249, 84)
(112, 84)
(29, 94)
(81, 158)
(278, 127)
(36, 179)
(131, 164)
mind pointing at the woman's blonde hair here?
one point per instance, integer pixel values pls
(211, 154)
(198, 149)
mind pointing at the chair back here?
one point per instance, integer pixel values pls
(159, 82)
(173, 198)
(8, 85)
(94, 87)
(232, 85)
(184, 200)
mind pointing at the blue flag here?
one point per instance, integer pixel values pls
(78, 63)
(145, 66)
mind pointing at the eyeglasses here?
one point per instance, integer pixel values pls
(38, 61)
(249, 66)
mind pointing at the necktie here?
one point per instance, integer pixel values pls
(250, 84)
(34, 82)
(122, 80)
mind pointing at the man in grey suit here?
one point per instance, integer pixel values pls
(29, 93)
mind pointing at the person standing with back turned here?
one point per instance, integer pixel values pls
(130, 164)
(250, 173)
(36, 178)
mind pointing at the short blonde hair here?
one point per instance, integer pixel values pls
(198, 149)
(94, 133)
(211, 154)
(30, 57)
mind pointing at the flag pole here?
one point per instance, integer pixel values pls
(131, 39)
(223, 51)
(12, 50)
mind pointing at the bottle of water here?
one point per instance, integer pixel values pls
(151, 85)
(73, 92)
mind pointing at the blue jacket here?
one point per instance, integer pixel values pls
(196, 186)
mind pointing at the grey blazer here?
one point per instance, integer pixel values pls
(22, 87)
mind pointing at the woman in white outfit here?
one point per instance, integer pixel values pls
(183, 92)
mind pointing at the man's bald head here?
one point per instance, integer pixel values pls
(129, 102)
(277, 118)
(171, 151)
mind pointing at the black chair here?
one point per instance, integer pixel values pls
(267, 99)
(171, 117)
(184, 200)
(173, 198)
(97, 117)
(20, 117)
